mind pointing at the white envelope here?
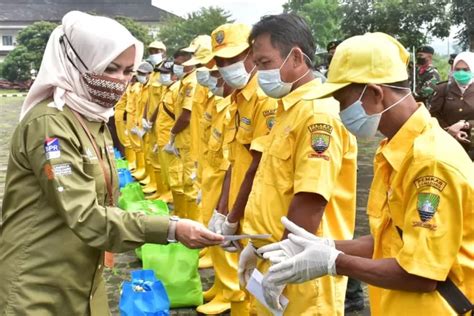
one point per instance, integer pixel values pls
(254, 286)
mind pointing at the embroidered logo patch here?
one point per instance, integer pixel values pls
(320, 142)
(52, 149)
(430, 181)
(270, 122)
(219, 37)
(427, 206)
(63, 169)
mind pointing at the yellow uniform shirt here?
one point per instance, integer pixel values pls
(201, 101)
(186, 93)
(253, 115)
(121, 117)
(423, 186)
(156, 95)
(216, 154)
(308, 150)
(205, 123)
(164, 121)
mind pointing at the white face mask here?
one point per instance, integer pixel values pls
(165, 79)
(202, 77)
(155, 59)
(235, 75)
(142, 79)
(178, 70)
(270, 81)
(361, 124)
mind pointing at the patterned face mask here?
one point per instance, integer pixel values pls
(103, 90)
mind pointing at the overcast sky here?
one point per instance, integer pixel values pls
(250, 11)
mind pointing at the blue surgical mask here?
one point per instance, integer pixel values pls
(202, 77)
(270, 81)
(165, 79)
(142, 79)
(361, 124)
(155, 59)
(235, 75)
(178, 70)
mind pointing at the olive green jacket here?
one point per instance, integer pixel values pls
(56, 225)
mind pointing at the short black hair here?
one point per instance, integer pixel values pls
(286, 31)
(181, 53)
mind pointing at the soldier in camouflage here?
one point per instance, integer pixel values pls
(427, 76)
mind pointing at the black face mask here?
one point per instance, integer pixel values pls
(420, 61)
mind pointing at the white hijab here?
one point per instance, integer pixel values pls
(98, 41)
(468, 58)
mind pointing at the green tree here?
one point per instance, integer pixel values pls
(141, 32)
(28, 53)
(462, 12)
(177, 32)
(323, 16)
(411, 22)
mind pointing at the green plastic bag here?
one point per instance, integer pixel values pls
(177, 267)
(132, 192)
(149, 207)
(121, 163)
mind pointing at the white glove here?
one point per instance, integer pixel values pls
(247, 263)
(147, 125)
(216, 221)
(285, 249)
(194, 235)
(199, 197)
(272, 292)
(140, 132)
(228, 228)
(193, 176)
(134, 130)
(170, 148)
(316, 260)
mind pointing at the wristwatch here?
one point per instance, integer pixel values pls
(172, 229)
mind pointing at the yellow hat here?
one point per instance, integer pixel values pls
(157, 45)
(369, 58)
(201, 40)
(203, 53)
(229, 40)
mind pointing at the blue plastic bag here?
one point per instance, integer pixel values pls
(125, 177)
(117, 153)
(144, 296)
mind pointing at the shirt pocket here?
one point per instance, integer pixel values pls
(277, 165)
(95, 171)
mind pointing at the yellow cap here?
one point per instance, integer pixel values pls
(203, 53)
(229, 40)
(370, 58)
(201, 40)
(157, 45)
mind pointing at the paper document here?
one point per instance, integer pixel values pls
(254, 286)
(239, 237)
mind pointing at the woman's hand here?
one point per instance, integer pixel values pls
(194, 235)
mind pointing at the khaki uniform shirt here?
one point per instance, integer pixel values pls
(56, 225)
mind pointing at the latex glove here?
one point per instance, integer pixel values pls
(228, 228)
(272, 292)
(199, 197)
(134, 130)
(316, 260)
(193, 176)
(285, 249)
(247, 263)
(170, 148)
(147, 125)
(195, 235)
(216, 221)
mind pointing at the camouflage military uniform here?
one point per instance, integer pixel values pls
(426, 80)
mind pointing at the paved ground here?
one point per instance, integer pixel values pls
(9, 109)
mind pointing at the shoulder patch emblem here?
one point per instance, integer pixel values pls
(427, 206)
(188, 91)
(51, 148)
(320, 142)
(270, 122)
(430, 181)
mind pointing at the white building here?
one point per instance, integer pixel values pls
(15, 15)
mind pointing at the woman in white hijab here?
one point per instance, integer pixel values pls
(453, 103)
(58, 213)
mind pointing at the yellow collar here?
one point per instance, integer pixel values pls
(223, 103)
(250, 89)
(296, 95)
(395, 150)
